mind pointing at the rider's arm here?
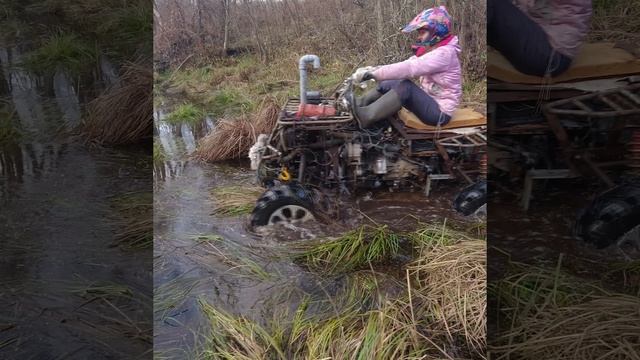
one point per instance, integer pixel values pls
(429, 63)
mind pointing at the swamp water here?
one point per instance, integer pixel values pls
(67, 290)
(200, 255)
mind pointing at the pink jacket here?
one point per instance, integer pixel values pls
(566, 22)
(439, 71)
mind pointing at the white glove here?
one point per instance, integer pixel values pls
(357, 76)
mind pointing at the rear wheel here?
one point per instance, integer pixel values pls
(471, 199)
(612, 218)
(283, 204)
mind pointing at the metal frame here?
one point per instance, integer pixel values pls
(622, 105)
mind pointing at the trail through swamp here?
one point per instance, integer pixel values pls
(200, 253)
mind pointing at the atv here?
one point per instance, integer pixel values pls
(586, 124)
(318, 150)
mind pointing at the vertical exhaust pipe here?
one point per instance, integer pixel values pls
(302, 65)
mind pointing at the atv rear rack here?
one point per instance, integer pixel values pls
(623, 101)
(471, 140)
(288, 118)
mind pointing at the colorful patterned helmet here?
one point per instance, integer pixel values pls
(435, 20)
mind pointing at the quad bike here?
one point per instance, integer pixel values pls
(580, 128)
(306, 157)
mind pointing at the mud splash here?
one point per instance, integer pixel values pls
(67, 291)
(198, 254)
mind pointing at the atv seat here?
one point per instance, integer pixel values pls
(462, 118)
(595, 60)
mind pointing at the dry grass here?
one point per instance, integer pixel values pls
(616, 20)
(231, 139)
(546, 314)
(235, 200)
(604, 327)
(440, 308)
(451, 280)
(124, 113)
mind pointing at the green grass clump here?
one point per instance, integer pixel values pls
(235, 338)
(235, 200)
(128, 29)
(158, 152)
(385, 333)
(227, 102)
(351, 251)
(186, 113)
(61, 50)
(328, 77)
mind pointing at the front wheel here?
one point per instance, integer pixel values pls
(612, 218)
(472, 199)
(283, 204)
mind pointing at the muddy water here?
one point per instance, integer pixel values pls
(65, 290)
(200, 255)
(541, 235)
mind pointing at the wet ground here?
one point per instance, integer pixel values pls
(201, 255)
(66, 291)
(543, 234)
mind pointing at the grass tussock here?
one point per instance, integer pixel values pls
(451, 279)
(61, 51)
(547, 314)
(124, 113)
(603, 327)
(232, 138)
(158, 152)
(229, 102)
(388, 332)
(438, 310)
(235, 200)
(185, 113)
(351, 251)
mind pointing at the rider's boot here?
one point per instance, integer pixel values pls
(386, 106)
(368, 98)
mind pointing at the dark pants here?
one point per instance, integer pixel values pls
(522, 41)
(416, 100)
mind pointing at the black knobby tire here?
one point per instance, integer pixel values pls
(471, 198)
(609, 216)
(279, 197)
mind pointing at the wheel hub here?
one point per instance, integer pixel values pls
(290, 214)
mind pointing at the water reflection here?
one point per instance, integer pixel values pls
(23, 90)
(166, 170)
(67, 98)
(178, 142)
(21, 162)
(57, 228)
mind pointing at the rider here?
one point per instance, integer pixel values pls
(538, 37)
(435, 63)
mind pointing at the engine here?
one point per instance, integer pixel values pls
(374, 165)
